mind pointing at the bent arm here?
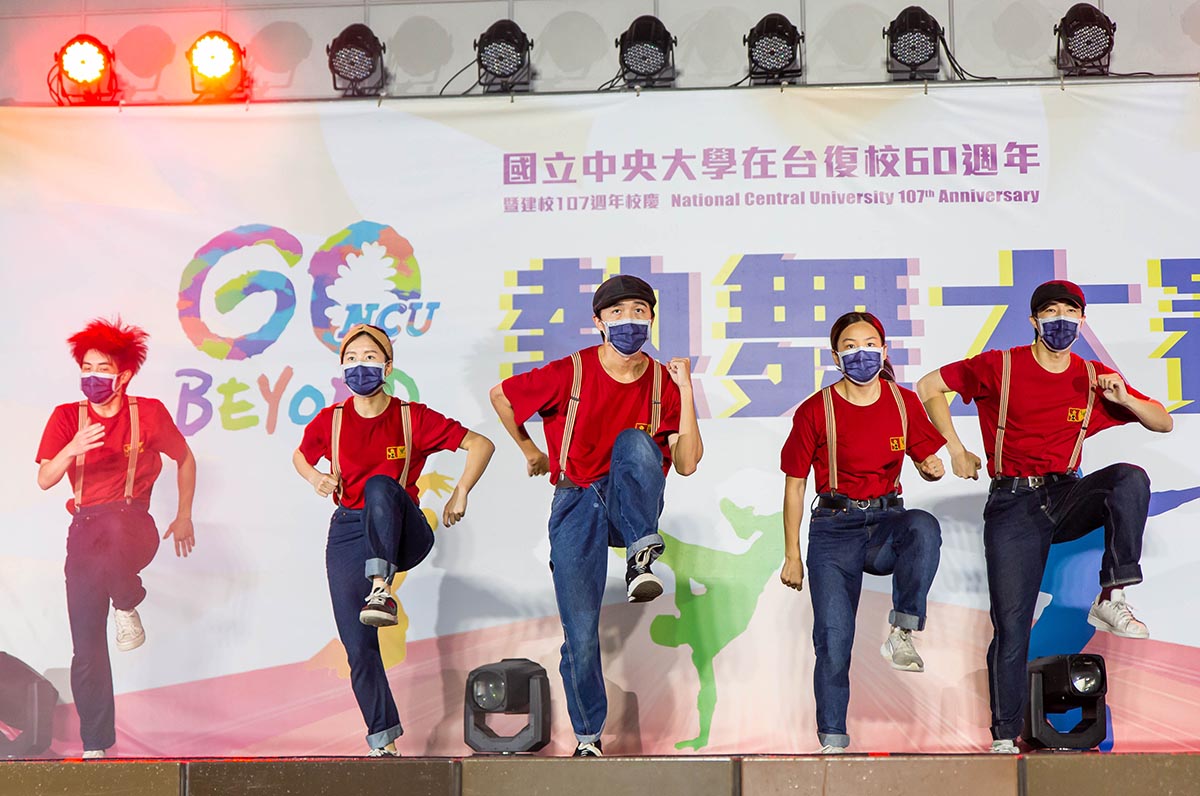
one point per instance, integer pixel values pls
(51, 471)
(687, 448)
(479, 452)
(309, 473)
(508, 419)
(932, 391)
(1151, 414)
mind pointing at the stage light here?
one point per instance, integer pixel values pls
(1062, 683)
(356, 62)
(502, 56)
(1085, 41)
(647, 54)
(912, 45)
(83, 73)
(773, 48)
(27, 703)
(514, 686)
(218, 67)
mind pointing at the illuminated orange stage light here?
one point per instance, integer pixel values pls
(213, 56)
(84, 60)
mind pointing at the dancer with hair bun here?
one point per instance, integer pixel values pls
(853, 436)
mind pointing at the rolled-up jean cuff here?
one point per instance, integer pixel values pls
(840, 740)
(1008, 732)
(379, 568)
(588, 738)
(649, 540)
(1125, 575)
(906, 621)
(378, 740)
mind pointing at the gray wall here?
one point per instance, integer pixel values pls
(428, 41)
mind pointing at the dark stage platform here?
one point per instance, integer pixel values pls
(1043, 774)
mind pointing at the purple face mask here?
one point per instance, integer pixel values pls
(98, 387)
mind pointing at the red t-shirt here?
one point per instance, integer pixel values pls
(870, 443)
(375, 445)
(105, 468)
(606, 408)
(1044, 409)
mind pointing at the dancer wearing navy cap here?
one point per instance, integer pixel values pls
(615, 421)
(1037, 404)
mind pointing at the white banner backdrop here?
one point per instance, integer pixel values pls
(245, 239)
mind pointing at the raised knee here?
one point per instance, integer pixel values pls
(633, 442)
(1130, 476)
(925, 526)
(379, 487)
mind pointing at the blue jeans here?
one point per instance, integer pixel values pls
(387, 535)
(619, 510)
(107, 546)
(842, 545)
(1018, 528)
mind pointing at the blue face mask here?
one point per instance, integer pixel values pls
(628, 337)
(98, 387)
(1058, 332)
(363, 378)
(861, 365)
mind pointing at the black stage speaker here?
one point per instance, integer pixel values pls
(27, 703)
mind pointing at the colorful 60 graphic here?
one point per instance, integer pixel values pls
(328, 264)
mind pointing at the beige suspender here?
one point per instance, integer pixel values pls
(135, 441)
(1005, 387)
(1077, 451)
(335, 445)
(830, 437)
(83, 417)
(572, 412)
(831, 429)
(1002, 420)
(573, 407)
(656, 398)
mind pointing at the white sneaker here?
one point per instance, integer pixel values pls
(641, 585)
(1005, 746)
(383, 752)
(588, 750)
(130, 634)
(827, 749)
(93, 754)
(1115, 616)
(900, 651)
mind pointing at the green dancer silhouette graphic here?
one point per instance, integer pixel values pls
(732, 583)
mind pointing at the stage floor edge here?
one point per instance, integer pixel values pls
(1042, 774)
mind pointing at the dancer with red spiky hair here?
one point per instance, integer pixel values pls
(109, 446)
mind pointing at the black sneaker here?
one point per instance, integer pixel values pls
(588, 750)
(641, 585)
(379, 609)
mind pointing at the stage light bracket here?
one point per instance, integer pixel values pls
(231, 86)
(346, 54)
(913, 41)
(104, 90)
(1084, 19)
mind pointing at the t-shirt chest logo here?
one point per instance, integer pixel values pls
(1075, 415)
(396, 452)
(642, 427)
(896, 443)
(141, 447)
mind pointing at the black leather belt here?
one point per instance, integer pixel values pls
(1033, 481)
(841, 502)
